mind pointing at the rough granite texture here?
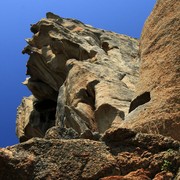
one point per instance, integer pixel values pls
(120, 152)
(159, 73)
(93, 114)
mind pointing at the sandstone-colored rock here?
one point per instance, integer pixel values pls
(23, 119)
(34, 118)
(89, 72)
(55, 42)
(157, 106)
(84, 80)
(163, 175)
(88, 102)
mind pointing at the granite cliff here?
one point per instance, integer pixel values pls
(103, 105)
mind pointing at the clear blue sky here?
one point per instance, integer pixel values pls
(122, 16)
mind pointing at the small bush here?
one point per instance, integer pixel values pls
(166, 166)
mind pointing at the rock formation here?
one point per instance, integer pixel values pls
(90, 74)
(93, 114)
(120, 152)
(158, 88)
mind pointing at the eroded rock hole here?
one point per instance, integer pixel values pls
(140, 100)
(45, 105)
(91, 92)
(105, 46)
(34, 28)
(47, 112)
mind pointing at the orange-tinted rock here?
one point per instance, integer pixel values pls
(164, 175)
(140, 174)
(156, 109)
(57, 158)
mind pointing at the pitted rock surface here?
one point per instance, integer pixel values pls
(157, 104)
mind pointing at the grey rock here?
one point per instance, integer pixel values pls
(57, 132)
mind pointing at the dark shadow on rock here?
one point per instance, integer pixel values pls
(140, 100)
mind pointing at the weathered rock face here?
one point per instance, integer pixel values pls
(118, 154)
(58, 159)
(23, 118)
(81, 121)
(90, 74)
(159, 88)
(34, 118)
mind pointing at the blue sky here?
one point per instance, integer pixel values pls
(122, 16)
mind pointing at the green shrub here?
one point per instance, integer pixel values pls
(166, 166)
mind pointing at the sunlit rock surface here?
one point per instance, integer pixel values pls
(157, 103)
(93, 114)
(90, 73)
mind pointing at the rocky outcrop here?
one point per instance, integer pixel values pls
(156, 108)
(57, 159)
(90, 74)
(88, 118)
(130, 155)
